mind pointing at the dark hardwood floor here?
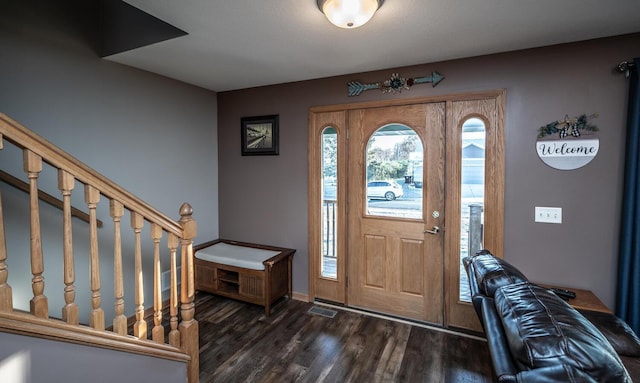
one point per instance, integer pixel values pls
(239, 344)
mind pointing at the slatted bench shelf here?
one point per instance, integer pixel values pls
(248, 272)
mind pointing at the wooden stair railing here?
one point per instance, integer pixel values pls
(183, 328)
(46, 197)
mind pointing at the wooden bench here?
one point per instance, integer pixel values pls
(248, 272)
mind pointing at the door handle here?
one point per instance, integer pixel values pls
(435, 230)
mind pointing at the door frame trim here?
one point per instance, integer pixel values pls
(408, 101)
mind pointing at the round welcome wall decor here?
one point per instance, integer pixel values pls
(568, 144)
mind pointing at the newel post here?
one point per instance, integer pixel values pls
(188, 326)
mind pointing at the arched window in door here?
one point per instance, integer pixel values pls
(394, 171)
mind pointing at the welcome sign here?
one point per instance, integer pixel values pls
(568, 144)
(567, 154)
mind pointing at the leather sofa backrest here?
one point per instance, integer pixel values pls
(542, 330)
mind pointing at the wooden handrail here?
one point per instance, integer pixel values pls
(20, 323)
(43, 196)
(24, 138)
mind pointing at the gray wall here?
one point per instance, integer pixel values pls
(154, 136)
(264, 199)
(33, 360)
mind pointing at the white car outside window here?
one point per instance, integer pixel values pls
(389, 190)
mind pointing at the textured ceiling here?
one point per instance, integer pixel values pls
(235, 44)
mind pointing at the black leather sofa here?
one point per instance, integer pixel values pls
(535, 336)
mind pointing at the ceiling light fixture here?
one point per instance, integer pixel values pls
(349, 13)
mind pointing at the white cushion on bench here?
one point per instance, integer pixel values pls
(234, 255)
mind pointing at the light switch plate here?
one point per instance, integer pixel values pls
(548, 214)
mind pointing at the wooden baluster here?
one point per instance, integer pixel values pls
(116, 210)
(66, 183)
(6, 296)
(157, 334)
(39, 305)
(188, 326)
(174, 334)
(140, 327)
(96, 318)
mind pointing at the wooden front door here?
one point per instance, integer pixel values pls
(395, 244)
(375, 250)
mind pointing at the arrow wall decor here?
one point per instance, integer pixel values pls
(395, 84)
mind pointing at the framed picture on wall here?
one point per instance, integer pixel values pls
(259, 135)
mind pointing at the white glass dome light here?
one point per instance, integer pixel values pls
(349, 14)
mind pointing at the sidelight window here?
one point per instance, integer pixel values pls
(472, 186)
(329, 249)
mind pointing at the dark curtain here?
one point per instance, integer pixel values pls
(628, 296)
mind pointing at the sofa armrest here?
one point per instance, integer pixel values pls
(503, 364)
(476, 296)
(471, 275)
